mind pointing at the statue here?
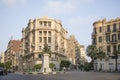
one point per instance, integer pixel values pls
(46, 48)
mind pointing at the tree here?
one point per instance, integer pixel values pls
(92, 52)
(116, 57)
(87, 66)
(1, 65)
(64, 63)
(101, 55)
(8, 65)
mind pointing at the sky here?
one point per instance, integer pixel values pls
(77, 16)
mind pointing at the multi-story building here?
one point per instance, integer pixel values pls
(12, 53)
(40, 32)
(71, 49)
(2, 58)
(75, 51)
(106, 37)
(82, 54)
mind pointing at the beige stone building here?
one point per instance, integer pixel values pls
(106, 37)
(2, 58)
(39, 32)
(12, 53)
(75, 51)
(71, 49)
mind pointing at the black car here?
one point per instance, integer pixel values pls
(3, 71)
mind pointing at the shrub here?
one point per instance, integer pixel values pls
(38, 66)
(64, 63)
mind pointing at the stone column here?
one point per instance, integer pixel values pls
(45, 64)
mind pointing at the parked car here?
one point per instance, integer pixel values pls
(3, 71)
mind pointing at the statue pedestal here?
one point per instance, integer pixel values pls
(45, 64)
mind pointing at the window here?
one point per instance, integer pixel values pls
(100, 29)
(95, 31)
(108, 28)
(119, 36)
(40, 33)
(45, 33)
(39, 47)
(40, 23)
(114, 27)
(107, 38)
(49, 33)
(114, 48)
(40, 39)
(45, 23)
(49, 24)
(49, 39)
(45, 39)
(114, 37)
(108, 49)
(118, 47)
(94, 41)
(100, 39)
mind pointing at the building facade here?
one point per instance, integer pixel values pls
(38, 33)
(2, 58)
(106, 37)
(12, 53)
(75, 51)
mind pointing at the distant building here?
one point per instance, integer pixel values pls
(106, 37)
(12, 53)
(2, 58)
(75, 51)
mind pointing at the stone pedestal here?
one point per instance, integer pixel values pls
(45, 64)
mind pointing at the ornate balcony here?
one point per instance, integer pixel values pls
(114, 41)
(108, 32)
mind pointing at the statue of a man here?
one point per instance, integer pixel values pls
(46, 48)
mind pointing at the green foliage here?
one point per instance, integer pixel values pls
(91, 51)
(1, 65)
(64, 63)
(87, 66)
(94, 53)
(38, 66)
(8, 65)
(51, 65)
(101, 55)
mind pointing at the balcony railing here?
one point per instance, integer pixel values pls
(114, 30)
(118, 30)
(114, 41)
(108, 32)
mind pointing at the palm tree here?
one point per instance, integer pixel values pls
(92, 52)
(116, 57)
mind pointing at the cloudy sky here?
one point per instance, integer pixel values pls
(77, 16)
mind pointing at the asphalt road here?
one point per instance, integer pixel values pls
(73, 75)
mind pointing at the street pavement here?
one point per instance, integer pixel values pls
(72, 75)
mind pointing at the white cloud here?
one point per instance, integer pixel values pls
(78, 20)
(58, 7)
(12, 3)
